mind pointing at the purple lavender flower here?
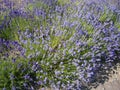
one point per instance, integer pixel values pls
(4, 89)
(13, 88)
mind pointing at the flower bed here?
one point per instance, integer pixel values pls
(61, 45)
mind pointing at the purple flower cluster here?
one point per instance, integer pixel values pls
(10, 49)
(67, 48)
(98, 43)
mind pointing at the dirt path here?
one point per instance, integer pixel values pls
(113, 83)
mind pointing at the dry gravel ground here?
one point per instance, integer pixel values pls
(114, 81)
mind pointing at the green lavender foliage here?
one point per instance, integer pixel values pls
(58, 47)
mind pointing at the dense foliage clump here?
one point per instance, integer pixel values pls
(56, 44)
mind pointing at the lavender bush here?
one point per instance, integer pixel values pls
(55, 44)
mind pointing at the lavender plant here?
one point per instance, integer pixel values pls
(61, 45)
